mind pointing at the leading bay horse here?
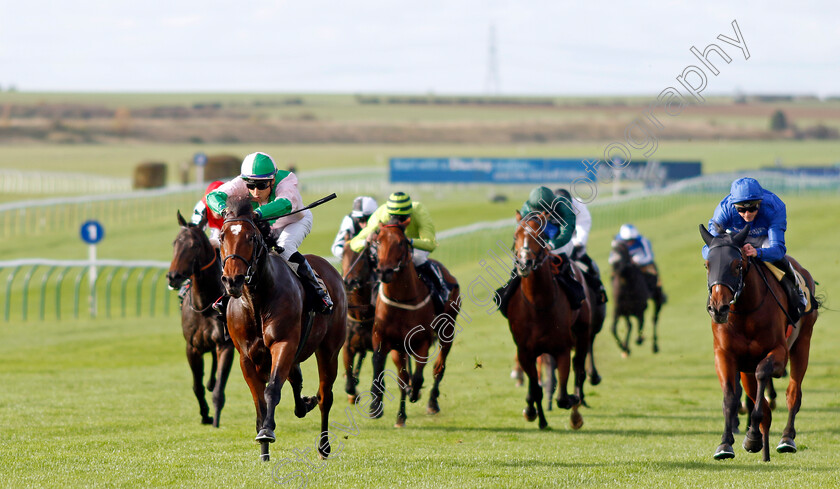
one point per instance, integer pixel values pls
(630, 298)
(268, 320)
(405, 322)
(751, 336)
(195, 258)
(542, 321)
(359, 284)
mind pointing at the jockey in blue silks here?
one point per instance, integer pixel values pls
(749, 203)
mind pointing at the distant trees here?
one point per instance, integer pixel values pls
(778, 121)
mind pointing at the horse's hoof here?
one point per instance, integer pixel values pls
(640, 340)
(544, 425)
(772, 403)
(752, 445)
(376, 411)
(432, 408)
(530, 414)
(264, 457)
(625, 354)
(786, 446)
(206, 420)
(351, 399)
(400, 422)
(576, 420)
(724, 451)
(265, 435)
(655, 348)
(595, 379)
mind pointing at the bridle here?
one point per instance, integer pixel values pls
(741, 273)
(258, 245)
(406, 256)
(538, 260)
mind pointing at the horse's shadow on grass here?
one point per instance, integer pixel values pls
(561, 428)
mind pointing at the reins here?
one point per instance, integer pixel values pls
(764, 278)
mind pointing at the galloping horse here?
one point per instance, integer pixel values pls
(749, 324)
(195, 258)
(542, 321)
(268, 320)
(405, 322)
(630, 298)
(357, 269)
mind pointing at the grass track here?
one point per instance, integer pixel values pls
(108, 403)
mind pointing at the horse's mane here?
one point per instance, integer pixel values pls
(240, 206)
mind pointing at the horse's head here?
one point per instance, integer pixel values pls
(726, 267)
(355, 267)
(191, 250)
(529, 245)
(393, 250)
(619, 256)
(242, 246)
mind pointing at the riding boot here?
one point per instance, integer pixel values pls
(566, 279)
(323, 304)
(796, 297)
(505, 292)
(220, 306)
(592, 275)
(433, 278)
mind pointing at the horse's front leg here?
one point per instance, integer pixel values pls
(640, 338)
(564, 364)
(377, 388)
(535, 393)
(257, 386)
(282, 356)
(656, 309)
(761, 417)
(348, 354)
(614, 329)
(401, 362)
(224, 353)
(196, 360)
(728, 378)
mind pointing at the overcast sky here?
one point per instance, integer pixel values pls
(542, 47)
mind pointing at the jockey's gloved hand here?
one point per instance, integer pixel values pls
(577, 253)
(264, 228)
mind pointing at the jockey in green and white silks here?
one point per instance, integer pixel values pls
(274, 194)
(420, 233)
(583, 224)
(558, 233)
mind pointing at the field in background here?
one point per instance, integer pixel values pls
(109, 402)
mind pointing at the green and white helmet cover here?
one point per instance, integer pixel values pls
(258, 166)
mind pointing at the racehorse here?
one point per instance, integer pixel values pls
(542, 321)
(751, 336)
(271, 327)
(195, 258)
(405, 322)
(357, 270)
(630, 298)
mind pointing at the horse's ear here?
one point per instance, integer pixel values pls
(718, 228)
(518, 216)
(707, 236)
(181, 220)
(741, 236)
(203, 222)
(404, 224)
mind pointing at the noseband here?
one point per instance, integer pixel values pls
(259, 250)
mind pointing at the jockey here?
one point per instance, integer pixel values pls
(749, 204)
(202, 216)
(583, 223)
(420, 233)
(558, 230)
(353, 223)
(641, 253)
(274, 193)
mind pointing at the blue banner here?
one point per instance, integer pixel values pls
(529, 170)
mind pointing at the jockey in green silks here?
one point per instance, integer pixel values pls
(274, 194)
(557, 233)
(420, 233)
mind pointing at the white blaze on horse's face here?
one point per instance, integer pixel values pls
(236, 229)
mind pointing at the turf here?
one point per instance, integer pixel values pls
(108, 403)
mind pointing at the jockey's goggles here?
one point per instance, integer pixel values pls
(747, 207)
(258, 184)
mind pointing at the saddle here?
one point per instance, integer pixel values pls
(792, 331)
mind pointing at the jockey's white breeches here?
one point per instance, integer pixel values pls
(291, 236)
(419, 257)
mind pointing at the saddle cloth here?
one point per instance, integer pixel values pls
(800, 281)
